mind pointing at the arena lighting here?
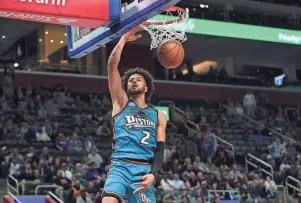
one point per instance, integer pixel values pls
(40, 40)
(46, 32)
(16, 65)
(204, 6)
(51, 41)
(61, 42)
(3, 36)
(65, 34)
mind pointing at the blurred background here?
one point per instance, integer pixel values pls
(233, 108)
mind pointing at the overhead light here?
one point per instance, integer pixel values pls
(46, 32)
(3, 36)
(40, 40)
(61, 42)
(65, 34)
(51, 41)
(204, 6)
(16, 65)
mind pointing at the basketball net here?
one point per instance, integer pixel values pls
(171, 26)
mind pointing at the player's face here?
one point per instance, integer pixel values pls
(136, 85)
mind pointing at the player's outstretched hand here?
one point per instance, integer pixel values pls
(147, 181)
(132, 35)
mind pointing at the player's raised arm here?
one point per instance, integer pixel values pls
(118, 95)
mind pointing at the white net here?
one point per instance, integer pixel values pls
(173, 27)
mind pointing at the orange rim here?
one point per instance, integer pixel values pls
(171, 9)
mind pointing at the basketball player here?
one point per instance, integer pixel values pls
(139, 133)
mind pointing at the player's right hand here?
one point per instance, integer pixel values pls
(147, 181)
(132, 35)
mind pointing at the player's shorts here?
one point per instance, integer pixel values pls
(120, 180)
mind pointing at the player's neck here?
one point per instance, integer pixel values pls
(140, 101)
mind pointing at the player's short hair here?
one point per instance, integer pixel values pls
(149, 80)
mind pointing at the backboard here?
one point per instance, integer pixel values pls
(82, 41)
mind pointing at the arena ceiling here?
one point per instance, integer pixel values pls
(13, 30)
(200, 47)
(267, 8)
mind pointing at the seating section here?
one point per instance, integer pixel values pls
(61, 142)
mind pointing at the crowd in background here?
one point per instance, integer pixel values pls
(53, 136)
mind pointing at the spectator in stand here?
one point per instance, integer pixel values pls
(90, 144)
(78, 173)
(93, 191)
(92, 174)
(42, 135)
(277, 150)
(65, 185)
(234, 173)
(170, 197)
(271, 187)
(75, 143)
(83, 198)
(184, 195)
(104, 129)
(95, 158)
(208, 144)
(14, 166)
(166, 183)
(192, 181)
(74, 193)
(62, 143)
(250, 104)
(65, 172)
(176, 183)
(261, 191)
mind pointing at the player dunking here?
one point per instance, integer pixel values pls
(139, 133)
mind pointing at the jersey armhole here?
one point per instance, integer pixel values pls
(113, 117)
(157, 111)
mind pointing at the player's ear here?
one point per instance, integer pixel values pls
(145, 89)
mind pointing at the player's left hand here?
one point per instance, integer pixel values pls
(147, 181)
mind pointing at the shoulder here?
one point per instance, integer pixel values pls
(162, 118)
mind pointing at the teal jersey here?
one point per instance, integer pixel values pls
(135, 132)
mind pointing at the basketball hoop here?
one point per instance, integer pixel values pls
(171, 26)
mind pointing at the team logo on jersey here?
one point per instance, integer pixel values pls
(138, 122)
(131, 104)
(144, 199)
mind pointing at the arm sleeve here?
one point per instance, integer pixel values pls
(158, 158)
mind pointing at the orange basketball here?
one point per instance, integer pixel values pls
(171, 54)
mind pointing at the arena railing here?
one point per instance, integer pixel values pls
(294, 187)
(262, 163)
(53, 196)
(194, 129)
(283, 189)
(10, 187)
(14, 197)
(231, 146)
(49, 187)
(285, 137)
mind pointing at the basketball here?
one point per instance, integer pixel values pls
(171, 54)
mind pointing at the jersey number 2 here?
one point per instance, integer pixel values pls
(144, 138)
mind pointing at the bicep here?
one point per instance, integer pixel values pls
(161, 129)
(118, 95)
